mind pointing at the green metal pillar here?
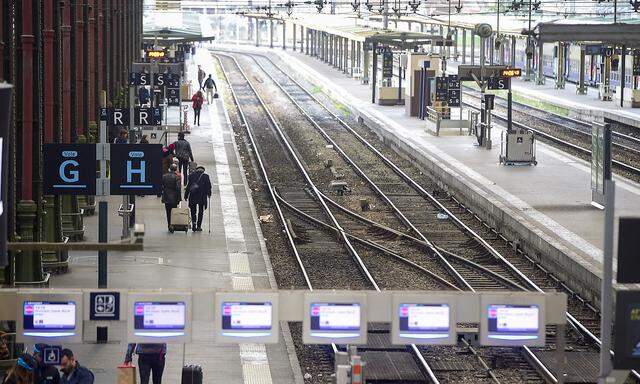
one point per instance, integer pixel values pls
(28, 265)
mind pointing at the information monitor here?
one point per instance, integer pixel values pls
(159, 319)
(423, 319)
(513, 322)
(49, 318)
(246, 319)
(338, 317)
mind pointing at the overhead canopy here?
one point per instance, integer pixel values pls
(627, 34)
(173, 27)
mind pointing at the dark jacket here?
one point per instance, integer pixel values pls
(80, 375)
(47, 374)
(203, 191)
(182, 149)
(171, 188)
(210, 84)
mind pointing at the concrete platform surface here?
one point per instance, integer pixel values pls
(549, 203)
(232, 256)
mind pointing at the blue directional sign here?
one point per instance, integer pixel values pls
(51, 355)
(104, 306)
(136, 169)
(119, 117)
(70, 169)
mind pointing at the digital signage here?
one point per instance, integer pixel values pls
(425, 321)
(49, 318)
(513, 322)
(335, 319)
(159, 319)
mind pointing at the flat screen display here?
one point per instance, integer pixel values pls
(159, 316)
(633, 331)
(49, 315)
(516, 322)
(429, 320)
(244, 316)
(335, 317)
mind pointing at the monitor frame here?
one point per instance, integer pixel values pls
(49, 336)
(512, 299)
(337, 297)
(399, 338)
(246, 336)
(159, 336)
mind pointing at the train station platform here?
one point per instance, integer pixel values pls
(232, 256)
(586, 107)
(546, 208)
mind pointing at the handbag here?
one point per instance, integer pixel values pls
(126, 374)
(215, 95)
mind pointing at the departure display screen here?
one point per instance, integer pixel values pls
(49, 315)
(242, 316)
(335, 317)
(160, 315)
(632, 329)
(424, 318)
(515, 321)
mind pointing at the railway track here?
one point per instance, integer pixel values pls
(458, 246)
(567, 133)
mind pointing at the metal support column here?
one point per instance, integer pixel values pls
(365, 64)
(513, 52)
(270, 33)
(560, 67)
(284, 37)
(374, 82)
(257, 32)
(540, 78)
(473, 48)
(464, 45)
(582, 88)
(455, 43)
(353, 56)
(622, 74)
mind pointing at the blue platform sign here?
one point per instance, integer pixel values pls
(104, 306)
(136, 169)
(70, 169)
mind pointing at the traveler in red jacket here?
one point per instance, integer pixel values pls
(198, 100)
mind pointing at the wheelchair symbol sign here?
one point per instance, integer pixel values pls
(52, 355)
(105, 306)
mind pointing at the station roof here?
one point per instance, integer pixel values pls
(171, 27)
(339, 26)
(591, 30)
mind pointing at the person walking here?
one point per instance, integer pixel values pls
(198, 100)
(151, 358)
(197, 192)
(43, 372)
(144, 139)
(184, 154)
(72, 371)
(123, 137)
(209, 86)
(201, 77)
(22, 372)
(144, 97)
(171, 192)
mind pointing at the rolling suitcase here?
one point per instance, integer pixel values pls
(180, 219)
(191, 374)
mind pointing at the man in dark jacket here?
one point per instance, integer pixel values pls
(44, 373)
(182, 149)
(198, 191)
(72, 371)
(171, 191)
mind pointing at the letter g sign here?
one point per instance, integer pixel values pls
(71, 176)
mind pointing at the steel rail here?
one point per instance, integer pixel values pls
(338, 148)
(572, 320)
(620, 164)
(474, 93)
(283, 138)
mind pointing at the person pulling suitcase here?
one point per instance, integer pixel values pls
(171, 192)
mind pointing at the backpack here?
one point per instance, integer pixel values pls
(195, 187)
(181, 151)
(209, 83)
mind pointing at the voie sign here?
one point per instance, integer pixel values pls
(159, 79)
(136, 169)
(119, 117)
(70, 169)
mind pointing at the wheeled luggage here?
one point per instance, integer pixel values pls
(180, 219)
(192, 374)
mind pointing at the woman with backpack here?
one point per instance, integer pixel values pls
(197, 192)
(197, 100)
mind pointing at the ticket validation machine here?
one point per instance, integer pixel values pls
(423, 319)
(338, 317)
(159, 318)
(512, 320)
(246, 317)
(49, 317)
